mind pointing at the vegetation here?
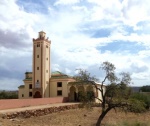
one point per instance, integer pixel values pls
(145, 88)
(8, 95)
(142, 97)
(117, 94)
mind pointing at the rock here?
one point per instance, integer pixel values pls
(85, 115)
(38, 112)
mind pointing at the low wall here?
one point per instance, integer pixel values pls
(38, 112)
(19, 103)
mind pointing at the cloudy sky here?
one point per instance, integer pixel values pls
(84, 33)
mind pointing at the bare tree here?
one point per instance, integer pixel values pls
(117, 92)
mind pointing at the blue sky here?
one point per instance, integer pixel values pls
(84, 33)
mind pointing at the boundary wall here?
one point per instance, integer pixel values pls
(19, 103)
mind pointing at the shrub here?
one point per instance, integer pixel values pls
(8, 95)
(136, 106)
(143, 98)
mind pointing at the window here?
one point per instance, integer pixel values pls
(46, 58)
(22, 95)
(46, 46)
(38, 45)
(30, 86)
(46, 71)
(59, 93)
(37, 68)
(37, 56)
(37, 80)
(59, 84)
(30, 94)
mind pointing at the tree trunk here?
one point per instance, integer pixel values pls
(101, 117)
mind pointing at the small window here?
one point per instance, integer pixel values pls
(59, 84)
(46, 71)
(59, 93)
(30, 94)
(46, 46)
(22, 95)
(30, 86)
(38, 45)
(37, 81)
(46, 58)
(37, 68)
(37, 56)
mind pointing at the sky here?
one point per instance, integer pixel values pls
(83, 34)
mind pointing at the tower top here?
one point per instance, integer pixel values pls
(42, 34)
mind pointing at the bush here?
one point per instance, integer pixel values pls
(8, 95)
(136, 106)
(143, 98)
(145, 88)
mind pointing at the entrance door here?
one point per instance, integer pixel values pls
(72, 94)
(37, 95)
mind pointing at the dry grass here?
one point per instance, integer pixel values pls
(81, 117)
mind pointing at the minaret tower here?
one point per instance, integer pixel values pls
(41, 66)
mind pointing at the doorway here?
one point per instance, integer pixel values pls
(37, 95)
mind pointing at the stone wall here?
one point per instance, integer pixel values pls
(38, 112)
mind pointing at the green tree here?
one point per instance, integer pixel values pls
(141, 97)
(8, 95)
(145, 88)
(117, 94)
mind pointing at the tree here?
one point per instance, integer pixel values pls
(142, 97)
(117, 94)
(145, 88)
(8, 95)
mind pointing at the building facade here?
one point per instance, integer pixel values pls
(42, 83)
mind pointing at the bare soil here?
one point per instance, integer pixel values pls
(78, 117)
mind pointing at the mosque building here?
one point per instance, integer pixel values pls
(42, 83)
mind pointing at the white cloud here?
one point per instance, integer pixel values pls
(106, 9)
(66, 2)
(14, 17)
(71, 26)
(135, 11)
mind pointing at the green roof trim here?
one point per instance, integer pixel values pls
(21, 86)
(28, 72)
(81, 82)
(27, 79)
(58, 75)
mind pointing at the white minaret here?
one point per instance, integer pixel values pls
(41, 66)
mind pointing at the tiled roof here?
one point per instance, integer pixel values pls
(27, 79)
(58, 75)
(42, 32)
(54, 75)
(28, 72)
(21, 86)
